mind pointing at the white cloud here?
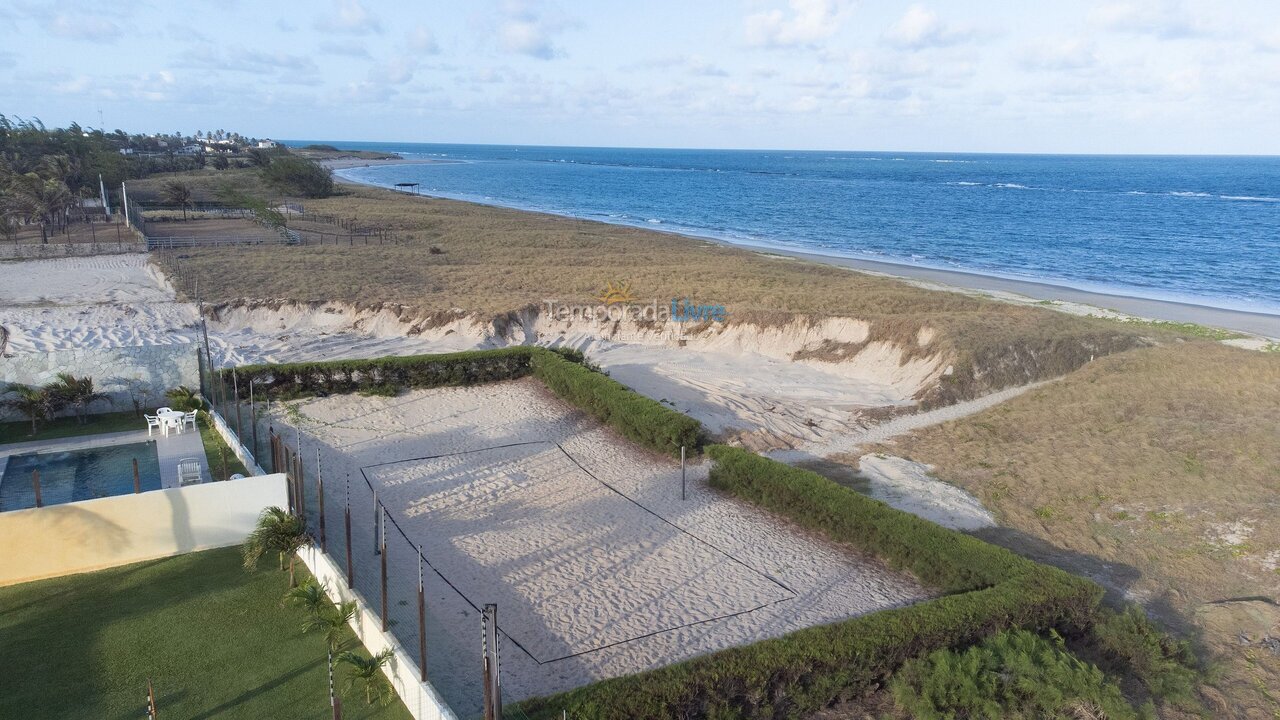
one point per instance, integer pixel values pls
(351, 17)
(1058, 54)
(344, 49)
(1165, 19)
(805, 23)
(396, 72)
(421, 40)
(690, 64)
(238, 58)
(78, 26)
(920, 28)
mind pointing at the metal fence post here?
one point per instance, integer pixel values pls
(137, 479)
(347, 518)
(384, 569)
(422, 619)
(320, 500)
(682, 484)
(35, 486)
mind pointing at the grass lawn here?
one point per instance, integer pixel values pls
(212, 638)
(20, 431)
(216, 451)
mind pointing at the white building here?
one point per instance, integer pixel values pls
(268, 144)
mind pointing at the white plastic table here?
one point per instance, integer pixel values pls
(170, 419)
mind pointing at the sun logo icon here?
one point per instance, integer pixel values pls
(615, 293)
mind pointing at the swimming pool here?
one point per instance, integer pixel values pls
(73, 475)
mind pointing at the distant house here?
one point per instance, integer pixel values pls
(126, 151)
(268, 144)
(192, 149)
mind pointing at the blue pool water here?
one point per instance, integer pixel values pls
(1204, 230)
(78, 474)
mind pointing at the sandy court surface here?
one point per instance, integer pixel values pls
(598, 567)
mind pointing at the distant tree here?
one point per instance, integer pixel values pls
(259, 157)
(176, 192)
(220, 162)
(299, 176)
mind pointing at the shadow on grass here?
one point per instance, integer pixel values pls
(265, 687)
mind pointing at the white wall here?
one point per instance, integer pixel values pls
(422, 699)
(94, 534)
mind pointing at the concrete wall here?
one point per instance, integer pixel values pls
(105, 532)
(155, 368)
(422, 699)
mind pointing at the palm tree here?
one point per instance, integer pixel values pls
(324, 616)
(36, 403)
(308, 595)
(366, 674)
(183, 398)
(278, 531)
(331, 620)
(176, 192)
(77, 392)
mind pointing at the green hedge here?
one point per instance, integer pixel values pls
(640, 419)
(944, 558)
(409, 371)
(804, 671)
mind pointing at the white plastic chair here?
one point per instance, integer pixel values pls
(188, 471)
(163, 410)
(153, 422)
(174, 423)
(190, 419)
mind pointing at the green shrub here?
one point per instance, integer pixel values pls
(1166, 666)
(945, 558)
(298, 176)
(1015, 674)
(638, 418)
(806, 670)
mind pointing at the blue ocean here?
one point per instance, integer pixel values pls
(1204, 230)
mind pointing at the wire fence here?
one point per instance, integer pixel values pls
(364, 538)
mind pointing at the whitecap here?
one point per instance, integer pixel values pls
(1249, 198)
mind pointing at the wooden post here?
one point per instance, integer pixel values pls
(253, 420)
(302, 485)
(35, 485)
(384, 569)
(137, 479)
(682, 490)
(151, 701)
(235, 383)
(320, 499)
(347, 518)
(377, 521)
(492, 664)
(422, 620)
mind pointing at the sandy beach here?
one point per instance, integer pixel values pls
(1064, 297)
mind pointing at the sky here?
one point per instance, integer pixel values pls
(1081, 76)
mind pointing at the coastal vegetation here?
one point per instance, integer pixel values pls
(495, 263)
(1160, 468)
